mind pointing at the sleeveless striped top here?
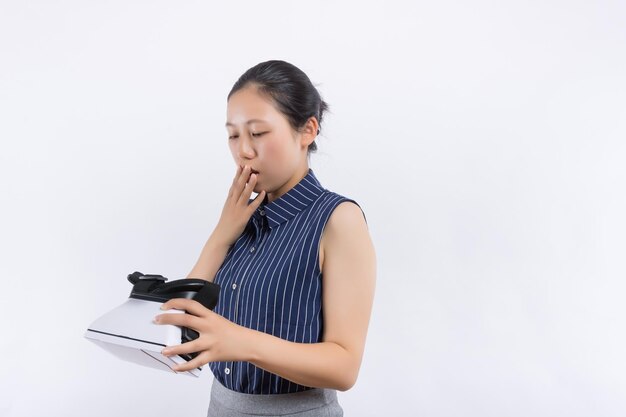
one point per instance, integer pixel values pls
(271, 280)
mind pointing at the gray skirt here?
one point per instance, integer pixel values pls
(317, 402)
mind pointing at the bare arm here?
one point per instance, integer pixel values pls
(349, 274)
(235, 215)
(210, 260)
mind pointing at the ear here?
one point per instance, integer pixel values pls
(309, 132)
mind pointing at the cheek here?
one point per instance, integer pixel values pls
(270, 152)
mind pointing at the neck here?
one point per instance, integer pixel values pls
(295, 179)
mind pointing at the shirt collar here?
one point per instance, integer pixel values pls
(295, 200)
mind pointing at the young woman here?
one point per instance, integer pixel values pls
(296, 264)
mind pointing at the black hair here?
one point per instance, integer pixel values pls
(290, 89)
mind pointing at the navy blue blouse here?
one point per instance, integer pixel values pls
(271, 279)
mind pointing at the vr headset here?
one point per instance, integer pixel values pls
(128, 332)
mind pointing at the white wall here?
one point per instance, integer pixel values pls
(484, 140)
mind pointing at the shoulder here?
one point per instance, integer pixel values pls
(338, 205)
(346, 216)
(345, 230)
(346, 237)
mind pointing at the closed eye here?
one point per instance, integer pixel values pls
(256, 135)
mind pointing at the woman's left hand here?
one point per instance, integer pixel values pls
(219, 338)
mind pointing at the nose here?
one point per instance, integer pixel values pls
(244, 148)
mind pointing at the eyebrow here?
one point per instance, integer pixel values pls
(248, 122)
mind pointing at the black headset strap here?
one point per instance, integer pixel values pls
(208, 295)
(143, 283)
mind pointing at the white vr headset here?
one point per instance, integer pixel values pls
(129, 333)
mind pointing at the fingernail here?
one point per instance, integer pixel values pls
(155, 320)
(162, 307)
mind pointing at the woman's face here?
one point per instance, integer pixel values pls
(261, 137)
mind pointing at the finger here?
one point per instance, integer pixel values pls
(235, 178)
(240, 184)
(257, 201)
(247, 190)
(245, 175)
(190, 306)
(202, 359)
(186, 320)
(238, 173)
(181, 349)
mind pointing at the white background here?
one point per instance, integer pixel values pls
(484, 141)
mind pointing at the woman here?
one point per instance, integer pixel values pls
(296, 264)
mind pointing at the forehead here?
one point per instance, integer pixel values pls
(247, 105)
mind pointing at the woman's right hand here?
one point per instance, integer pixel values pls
(237, 211)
